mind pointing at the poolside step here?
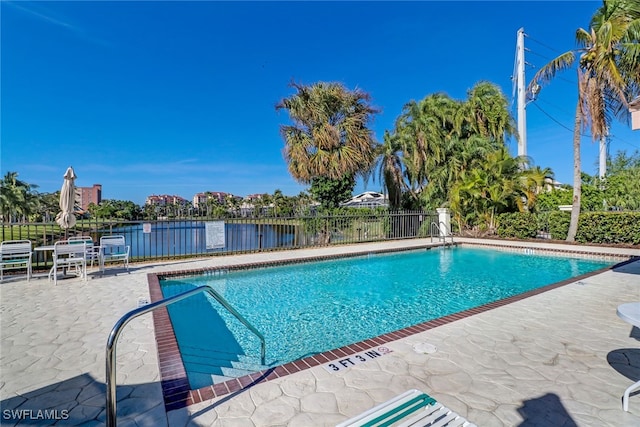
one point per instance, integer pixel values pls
(235, 372)
(221, 359)
(217, 379)
(220, 366)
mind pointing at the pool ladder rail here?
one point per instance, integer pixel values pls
(442, 231)
(111, 412)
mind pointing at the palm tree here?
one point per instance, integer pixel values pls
(329, 137)
(417, 146)
(486, 113)
(390, 170)
(17, 198)
(303, 203)
(491, 185)
(232, 204)
(439, 138)
(423, 129)
(532, 181)
(608, 57)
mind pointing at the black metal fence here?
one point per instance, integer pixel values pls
(196, 237)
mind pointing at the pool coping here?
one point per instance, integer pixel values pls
(173, 377)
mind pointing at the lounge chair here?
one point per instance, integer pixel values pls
(114, 249)
(15, 254)
(92, 251)
(412, 408)
(69, 256)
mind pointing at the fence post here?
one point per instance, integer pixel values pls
(444, 222)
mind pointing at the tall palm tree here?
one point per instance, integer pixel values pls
(486, 113)
(608, 57)
(423, 128)
(438, 138)
(329, 137)
(390, 171)
(421, 134)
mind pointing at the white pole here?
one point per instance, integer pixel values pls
(522, 116)
(603, 157)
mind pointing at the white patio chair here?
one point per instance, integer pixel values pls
(114, 249)
(92, 251)
(68, 256)
(15, 254)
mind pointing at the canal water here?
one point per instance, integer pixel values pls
(189, 238)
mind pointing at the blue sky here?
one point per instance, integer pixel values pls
(178, 97)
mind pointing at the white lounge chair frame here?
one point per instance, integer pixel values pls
(67, 256)
(410, 409)
(114, 249)
(15, 254)
(92, 252)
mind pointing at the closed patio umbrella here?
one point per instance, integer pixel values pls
(66, 218)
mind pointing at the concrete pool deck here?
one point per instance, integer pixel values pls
(562, 357)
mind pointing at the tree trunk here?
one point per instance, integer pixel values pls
(577, 177)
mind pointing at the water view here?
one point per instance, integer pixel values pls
(189, 237)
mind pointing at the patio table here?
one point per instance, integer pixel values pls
(45, 249)
(50, 248)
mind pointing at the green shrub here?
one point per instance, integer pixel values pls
(425, 229)
(542, 219)
(593, 227)
(609, 227)
(519, 225)
(559, 224)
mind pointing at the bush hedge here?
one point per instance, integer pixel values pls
(609, 227)
(593, 227)
(559, 224)
(519, 225)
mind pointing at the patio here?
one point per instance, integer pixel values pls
(562, 357)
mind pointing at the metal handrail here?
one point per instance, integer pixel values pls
(441, 227)
(120, 324)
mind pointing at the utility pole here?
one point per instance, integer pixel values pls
(522, 99)
(602, 170)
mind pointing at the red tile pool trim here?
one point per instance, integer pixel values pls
(175, 385)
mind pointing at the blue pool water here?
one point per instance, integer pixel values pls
(307, 308)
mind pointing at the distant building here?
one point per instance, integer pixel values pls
(368, 199)
(248, 206)
(165, 200)
(87, 195)
(253, 197)
(202, 198)
(634, 107)
(551, 184)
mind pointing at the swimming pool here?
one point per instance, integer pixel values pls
(308, 308)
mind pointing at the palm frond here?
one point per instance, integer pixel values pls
(550, 70)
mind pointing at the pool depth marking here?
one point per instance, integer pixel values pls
(356, 359)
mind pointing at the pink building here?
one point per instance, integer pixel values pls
(165, 200)
(201, 198)
(86, 195)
